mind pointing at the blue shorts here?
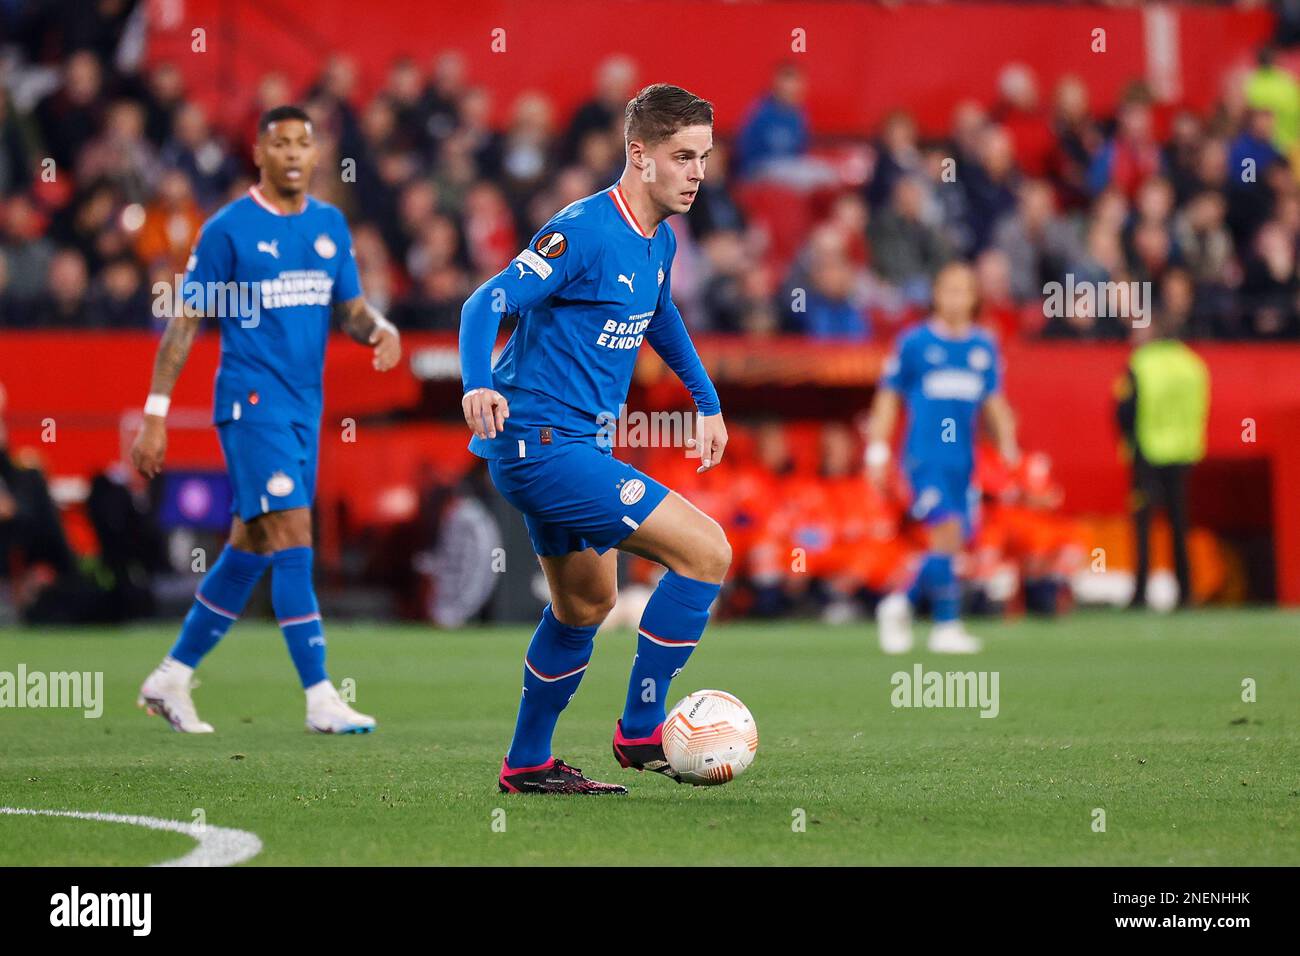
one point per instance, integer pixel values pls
(576, 496)
(941, 493)
(271, 467)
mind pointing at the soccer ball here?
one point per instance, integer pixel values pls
(710, 737)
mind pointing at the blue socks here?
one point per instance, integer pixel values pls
(553, 667)
(937, 581)
(294, 601)
(671, 626)
(221, 597)
(218, 601)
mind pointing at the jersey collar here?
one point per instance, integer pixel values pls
(940, 332)
(269, 207)
(625, 210)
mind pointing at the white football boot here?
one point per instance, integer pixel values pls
(894, 621)
(328, 713)
(950, 637)
(166, 692)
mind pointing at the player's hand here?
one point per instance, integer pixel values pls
(388, 348)
(485, 411)
(1010, 453)
(711, 439)
(150, 446)
(877, 459)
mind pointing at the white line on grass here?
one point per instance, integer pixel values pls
(218, 846)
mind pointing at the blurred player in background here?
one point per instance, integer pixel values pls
(947, 372)
(294, 253)
(591, 286)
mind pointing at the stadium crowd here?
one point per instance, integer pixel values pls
(107, 171)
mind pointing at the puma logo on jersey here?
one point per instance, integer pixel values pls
(628, 280)
(271, 248)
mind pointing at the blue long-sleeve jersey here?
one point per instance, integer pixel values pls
(588, 290)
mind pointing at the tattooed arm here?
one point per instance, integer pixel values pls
(150, 446)
(363, 323)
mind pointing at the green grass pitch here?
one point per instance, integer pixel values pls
(1141, 716)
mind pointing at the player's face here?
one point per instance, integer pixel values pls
(286, 155)
(679, 164)
(955, 295)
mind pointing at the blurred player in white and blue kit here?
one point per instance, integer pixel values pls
(948, 373)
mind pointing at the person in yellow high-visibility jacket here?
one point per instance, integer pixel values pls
(1164, 402)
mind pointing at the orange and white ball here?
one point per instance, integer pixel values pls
(710, 737)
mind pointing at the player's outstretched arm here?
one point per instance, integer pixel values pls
(1001, 423)
(150, 445)
(363, 323)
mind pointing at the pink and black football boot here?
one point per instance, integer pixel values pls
(554, 776)
(643, 753)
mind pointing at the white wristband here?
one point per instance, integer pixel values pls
(878, 454)
(157, 405)
(383, 325)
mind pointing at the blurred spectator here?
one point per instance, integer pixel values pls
(1274, 90)
(192, 148)
(32, 542)
(602, 114)
(714, 207)
(1078, 140)
(119, 298)
(906, 250)
(1253, 149)
(26, 250)
(776, 127)
(897, 155)
(15, 174)
(1182, 151)
(1270, 288)
(830, 311)
(171, 226)
(1036, 241)
(527, 149)
(121, 155)
(990, 184)
(439, 107)
(434, 304)
(67, 284)
(1017, 111)
(69, 117)
(1131, 154)
(998, 311)
(1204, 241)
(164, 97)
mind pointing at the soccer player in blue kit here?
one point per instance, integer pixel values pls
(948, 373)
(592, 285)
(273, 267)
